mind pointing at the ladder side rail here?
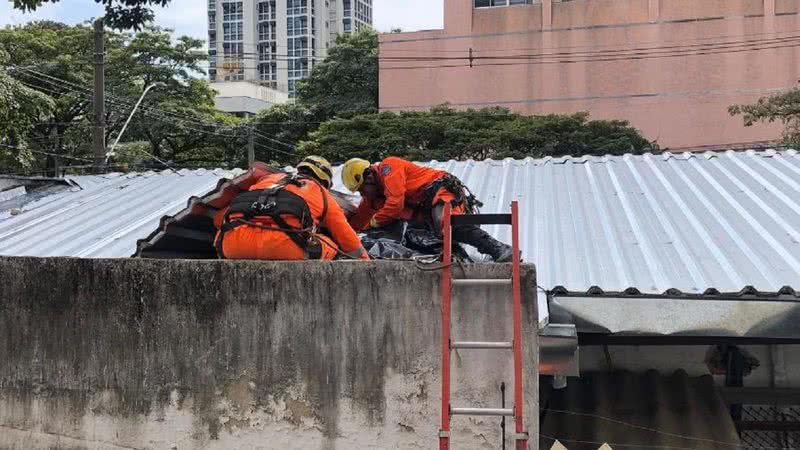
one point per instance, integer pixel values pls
(522, 442)
(447, 234)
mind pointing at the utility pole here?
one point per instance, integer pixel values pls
(251, 147)
(99, 95)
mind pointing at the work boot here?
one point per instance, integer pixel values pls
(484, 242)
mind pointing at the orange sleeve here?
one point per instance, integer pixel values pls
(363, 215)
(341, 231)
(393, 174)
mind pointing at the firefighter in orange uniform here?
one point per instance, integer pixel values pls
(396, 189)
(280, 218)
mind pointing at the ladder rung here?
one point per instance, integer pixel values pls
(488, 345)
(482, 411)
(482, 282)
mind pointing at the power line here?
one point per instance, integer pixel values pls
(653, 50)
(173, 121)
(114, 100)
(387, 48)
(258, 144)
(76, 158)
(632, 52)
(532, 61)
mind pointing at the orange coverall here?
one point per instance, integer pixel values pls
(250, 242)
(403, 184)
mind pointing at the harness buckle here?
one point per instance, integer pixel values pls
(263, 207)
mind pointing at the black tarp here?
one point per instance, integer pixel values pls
(402, 240)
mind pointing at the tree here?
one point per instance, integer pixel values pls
(119, 14)
(20, 108)
(784, 107)
(346, 82)
(176, 120)
(179, 120)
(444, 133)
(58, 52)
(290, 123)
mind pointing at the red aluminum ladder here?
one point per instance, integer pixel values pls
(521, 437)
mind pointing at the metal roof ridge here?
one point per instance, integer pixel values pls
(607, 158)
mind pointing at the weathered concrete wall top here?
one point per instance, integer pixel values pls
(219, 354)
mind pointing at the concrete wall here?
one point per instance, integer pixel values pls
(678, 101)
(219, 354)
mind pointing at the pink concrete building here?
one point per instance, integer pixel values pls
(670, 67)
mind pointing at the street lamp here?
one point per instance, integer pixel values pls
(110, 153)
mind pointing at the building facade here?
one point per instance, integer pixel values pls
(670, 67)
(277, 42)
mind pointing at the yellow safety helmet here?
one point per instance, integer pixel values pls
(353, 173)
(321, 168)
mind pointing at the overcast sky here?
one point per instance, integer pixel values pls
(189, 16)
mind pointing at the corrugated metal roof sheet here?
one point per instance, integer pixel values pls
(104, 216)
(689, 222)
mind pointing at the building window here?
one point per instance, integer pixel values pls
(233, 31)
(298, 68)
(266, 31)
(233, 65)
(266, 52)
(232, 12)
(297, 26)
(268, 72)
(266, 10)
(212, 5)
(296, 7)
(298, 47)
(347, 25)
(492, 3)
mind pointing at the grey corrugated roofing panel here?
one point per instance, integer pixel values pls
(687, 222)
(105, 216)
(683, 222)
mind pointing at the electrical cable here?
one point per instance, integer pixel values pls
(162, 115)
(639, 427)
(76, 158)
(526, 62)
(658, 41)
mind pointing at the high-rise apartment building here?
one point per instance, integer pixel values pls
(277, 42)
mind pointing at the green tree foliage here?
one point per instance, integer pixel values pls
(120, 14)
(784, 107)
(177, 119)
(346, 82)
(64, 53)
(20, 108)
(290, 123)
(343, 85)
(444, 133)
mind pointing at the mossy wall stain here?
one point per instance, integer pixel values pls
(132, 338)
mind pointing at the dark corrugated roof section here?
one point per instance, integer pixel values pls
(190, 233)
(630, 411)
